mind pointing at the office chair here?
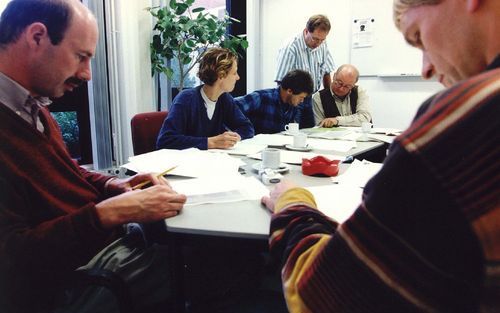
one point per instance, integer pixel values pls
(145, 128)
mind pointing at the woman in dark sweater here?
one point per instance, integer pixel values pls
(206, 116)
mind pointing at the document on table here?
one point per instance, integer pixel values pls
(189, 162)
(244, 147)
(331, 133)
(270, 140)
(263, 140)
(337, 201)
(358, 173)
(220, 189)
(333, 145)
(386, 131)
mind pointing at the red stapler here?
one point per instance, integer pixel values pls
(320, 166)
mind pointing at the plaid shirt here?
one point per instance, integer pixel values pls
(267, 112)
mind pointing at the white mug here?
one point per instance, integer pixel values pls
(300, 140)
(270, 158)
(292, 128)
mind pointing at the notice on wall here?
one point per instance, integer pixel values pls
(363, 32)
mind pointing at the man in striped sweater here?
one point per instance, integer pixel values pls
(426, 236)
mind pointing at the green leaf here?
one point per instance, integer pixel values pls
(186, 49)
(190, 43)
(168, 71)
(186, 60)
(173, 4)
(181, 8)
(198, 10)
(212, 24)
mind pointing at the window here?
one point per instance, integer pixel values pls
(71, 112)
(236, 9)
(215, 7)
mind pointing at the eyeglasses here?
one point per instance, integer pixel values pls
(315, 39)
(341, 84)
(319, 40)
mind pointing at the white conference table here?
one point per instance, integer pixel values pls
(247, 219)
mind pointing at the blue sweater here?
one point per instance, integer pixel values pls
(269, 114)
(187, 124)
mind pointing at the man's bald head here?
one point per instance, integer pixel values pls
(56, 15)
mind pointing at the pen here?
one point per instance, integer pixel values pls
(144, 183)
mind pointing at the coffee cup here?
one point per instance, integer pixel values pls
(299, 140)
(292, 128)
(270, 158)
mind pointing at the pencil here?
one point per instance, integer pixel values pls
(144, 183)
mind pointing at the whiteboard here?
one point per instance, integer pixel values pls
(377, 47)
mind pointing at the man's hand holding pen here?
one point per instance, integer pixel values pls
(157, 202)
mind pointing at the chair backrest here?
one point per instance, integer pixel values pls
(145, 128)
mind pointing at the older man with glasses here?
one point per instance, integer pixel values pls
(344, 103)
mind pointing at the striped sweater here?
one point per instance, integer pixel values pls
(426, 236)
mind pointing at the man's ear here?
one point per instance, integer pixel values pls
(36, 33)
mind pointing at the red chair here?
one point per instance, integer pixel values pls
(145, 128)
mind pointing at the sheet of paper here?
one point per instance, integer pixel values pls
(270, 139)
(337, 201)
(386, 131)
(383, 138)
(189, 162)
(295, 157)
(333, 145)
(330, 134)
(358, 173)
(220, 189)
(244, 147)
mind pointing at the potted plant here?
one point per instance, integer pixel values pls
(183, 35)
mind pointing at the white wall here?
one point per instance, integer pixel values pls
(394, 101)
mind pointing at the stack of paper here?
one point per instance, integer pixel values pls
(189, 162)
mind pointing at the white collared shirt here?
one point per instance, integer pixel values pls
(209, 104)
(18, 99)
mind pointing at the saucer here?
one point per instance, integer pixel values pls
(305, 149)
(283, 167)
(289, 133)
